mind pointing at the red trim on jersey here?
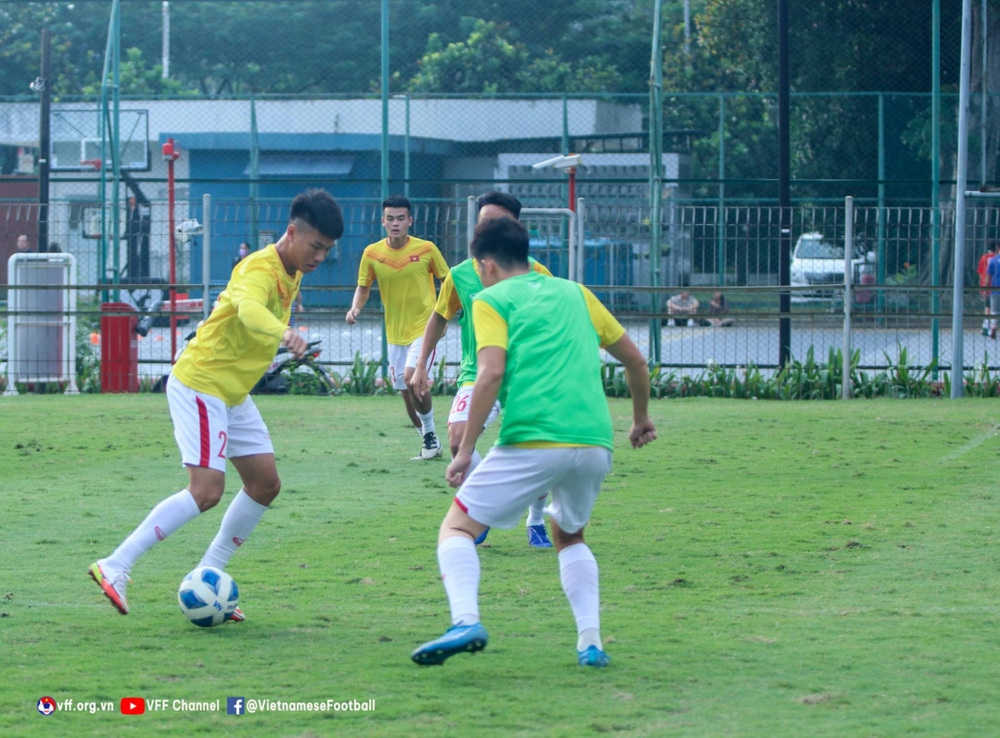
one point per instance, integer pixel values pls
(206, 441)
(461, 505)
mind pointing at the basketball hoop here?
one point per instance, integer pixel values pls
(94, 164)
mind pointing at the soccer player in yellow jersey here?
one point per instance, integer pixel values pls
(404, 267)
(539, 342)
(208, 394)
(457, 292)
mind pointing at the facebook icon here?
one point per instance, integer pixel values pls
(234, 706)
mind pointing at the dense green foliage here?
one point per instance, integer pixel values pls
(226, 48)
(303, 46)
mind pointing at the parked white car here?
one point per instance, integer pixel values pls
(819, 262)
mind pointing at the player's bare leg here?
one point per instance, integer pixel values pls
(410, 410)
(206, 486)
(579, 574)
(424, 407)
(455, 432)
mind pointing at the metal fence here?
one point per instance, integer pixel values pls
(718, 147)
(901, 300)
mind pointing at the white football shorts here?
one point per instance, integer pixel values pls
(510, 478)
(461, 404)
(208, 432)
(402, 358)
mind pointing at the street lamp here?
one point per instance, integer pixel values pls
(569, 163)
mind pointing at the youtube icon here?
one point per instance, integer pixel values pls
(133, 705)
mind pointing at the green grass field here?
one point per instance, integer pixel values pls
(767, 569)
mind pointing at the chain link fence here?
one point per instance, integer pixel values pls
(725, 260)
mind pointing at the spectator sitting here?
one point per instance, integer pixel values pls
(23, 246)
(682, 304)
(719, 306)
(54, 248)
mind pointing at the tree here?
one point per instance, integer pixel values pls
(136, 78)
(487, 61)
(75, 40)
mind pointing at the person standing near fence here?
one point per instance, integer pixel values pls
(23, 245)
(993, 270)
(982, 269)
(208, 394)
(243, 253)
(557, 435)
(404, 267)
(457, 291)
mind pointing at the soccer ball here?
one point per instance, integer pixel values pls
(208, 596)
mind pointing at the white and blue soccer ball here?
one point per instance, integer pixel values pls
(208, 596)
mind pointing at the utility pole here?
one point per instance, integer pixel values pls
(166, 40)
(42, 86)
(784, 190)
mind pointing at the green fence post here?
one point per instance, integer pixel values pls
(936, 184)
(881, 202)
(385, 156)
(720, 219)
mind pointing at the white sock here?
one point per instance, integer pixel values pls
(459, 564)
(578, 571)
(589, 637)
(238, 523)
(426, 422)
(476, 460)
(535, 511)
(162, 520)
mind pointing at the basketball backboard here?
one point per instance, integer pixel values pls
(76, 140)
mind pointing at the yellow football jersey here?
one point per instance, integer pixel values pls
(234, 347)
(406, 283)
(449, 303)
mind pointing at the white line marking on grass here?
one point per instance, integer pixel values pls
(970, 446)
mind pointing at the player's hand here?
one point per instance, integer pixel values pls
(352, 315)
(295, 343)
(418, 382)
(458, 469)
(642, 433)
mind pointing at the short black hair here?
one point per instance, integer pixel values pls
(318, 210)
(397, 201)
(504, 240)
(501, 199)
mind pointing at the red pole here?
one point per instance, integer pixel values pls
(170, 156)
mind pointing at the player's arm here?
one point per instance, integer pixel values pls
(637, 377)
(250, 296)
(447, 305)
(436, 326)
(492, 363)
(491, 337)
(366, 275)
(616, 342)
(360, 298)
(438, 266)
